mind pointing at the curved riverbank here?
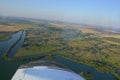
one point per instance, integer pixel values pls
(94, 64)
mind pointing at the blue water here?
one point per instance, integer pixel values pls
(18, 45)
(4, 45)
(7, 69)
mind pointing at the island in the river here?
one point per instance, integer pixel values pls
(83, 45)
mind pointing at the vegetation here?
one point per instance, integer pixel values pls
(87, 75)
(113, 39)
(5, 35)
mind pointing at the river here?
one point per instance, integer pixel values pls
(4, 45)
(18, 45)
(76, 67)
(7, 69)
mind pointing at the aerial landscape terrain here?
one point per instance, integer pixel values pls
(38, 39)
(81, 35)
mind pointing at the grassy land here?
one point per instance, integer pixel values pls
(5, 35)
(6, 31)
(14, 27)
(117, 40)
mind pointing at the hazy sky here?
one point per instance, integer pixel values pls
(104, 12)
